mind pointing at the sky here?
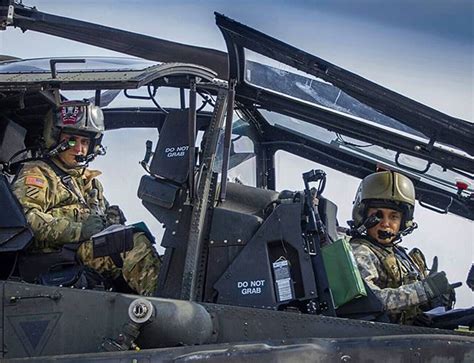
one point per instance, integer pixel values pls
(422, 49)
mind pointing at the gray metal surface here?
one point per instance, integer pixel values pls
(45, 321)
(423, 348)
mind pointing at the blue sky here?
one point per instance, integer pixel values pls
(452, 20)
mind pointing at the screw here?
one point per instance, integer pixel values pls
(140, 310)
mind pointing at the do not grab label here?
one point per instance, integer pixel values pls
(176, 152)
(252, 287)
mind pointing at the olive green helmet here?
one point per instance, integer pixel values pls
(75, 118)
(385, 189)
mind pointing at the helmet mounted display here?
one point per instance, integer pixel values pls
(386, 189)
(75, 118)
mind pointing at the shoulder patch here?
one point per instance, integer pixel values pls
(32, 192)
(35, 181)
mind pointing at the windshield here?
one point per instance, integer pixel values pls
(308, 88)
(283, 79)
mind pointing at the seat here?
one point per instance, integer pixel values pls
(15, 234)
(248, 200)
(170, 160)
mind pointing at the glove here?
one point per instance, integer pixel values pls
(92, 225)
(114, 215)
(436, 284)
(434, 266)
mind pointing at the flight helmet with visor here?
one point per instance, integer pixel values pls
(385, 189)
(76, 118)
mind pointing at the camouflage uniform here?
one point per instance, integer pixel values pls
(55, 213)
(394, 277)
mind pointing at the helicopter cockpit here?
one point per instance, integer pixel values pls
(280, 105)
(207, 162)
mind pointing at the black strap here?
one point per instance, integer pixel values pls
(408, 262)
(117, 260)
(66, 179)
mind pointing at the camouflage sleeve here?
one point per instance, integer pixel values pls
(394, 299)
(34, 191)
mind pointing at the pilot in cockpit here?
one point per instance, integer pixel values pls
(64, 201)
(384, 204)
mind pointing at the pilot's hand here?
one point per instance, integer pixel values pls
(114, 215)
(436, 284)
(92, 225)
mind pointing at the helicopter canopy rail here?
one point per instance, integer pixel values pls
(435, 125)
(93, 73)
(138, 45)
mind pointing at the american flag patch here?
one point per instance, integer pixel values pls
(35, 181)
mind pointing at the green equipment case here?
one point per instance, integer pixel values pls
(344, 276)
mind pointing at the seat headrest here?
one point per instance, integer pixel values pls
(12, 139)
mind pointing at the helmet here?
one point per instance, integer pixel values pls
(74, 118)
(385, 189)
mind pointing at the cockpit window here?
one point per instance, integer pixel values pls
(283, 79)
(435, 174)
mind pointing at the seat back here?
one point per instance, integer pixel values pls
(12, 139)
(248, 200)
(15, 234)
(328, 213)
(163, 194)
(170, 160)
